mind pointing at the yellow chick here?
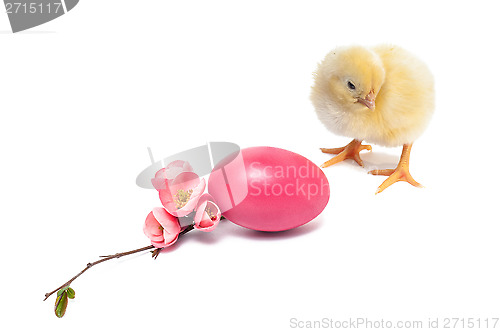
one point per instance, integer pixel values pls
(383, 95)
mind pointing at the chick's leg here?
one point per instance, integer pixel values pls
(400, 173)
(350, 151)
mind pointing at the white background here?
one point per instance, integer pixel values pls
(83, 96)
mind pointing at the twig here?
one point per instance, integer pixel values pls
(89, 265)
(156, 252)
(187, 229)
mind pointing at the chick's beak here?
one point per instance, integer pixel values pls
(369, 100)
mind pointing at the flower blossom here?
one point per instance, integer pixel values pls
(207, 215)
(166, 175)
(161, 228)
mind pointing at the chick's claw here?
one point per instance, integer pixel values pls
(400, 173)
(332, 150)
(350, 151)
(395, 175)
(385, 172)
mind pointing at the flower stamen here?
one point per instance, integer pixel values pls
(182, 198)
(210, 213)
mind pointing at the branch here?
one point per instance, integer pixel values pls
(156, 252)
(189, 228)
(89, 265)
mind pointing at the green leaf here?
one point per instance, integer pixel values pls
(61, 304)
(59, 292)
(71, 293)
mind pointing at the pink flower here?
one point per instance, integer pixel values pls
(161, 228)
(207, 215)
(166, 175)
(181, 196)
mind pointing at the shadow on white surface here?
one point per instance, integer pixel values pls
(372, 160)
(379, 160)
(235, 230)
(228, 229)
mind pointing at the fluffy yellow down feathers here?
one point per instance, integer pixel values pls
(383, 95)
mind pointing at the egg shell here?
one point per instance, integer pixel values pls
(269, 189)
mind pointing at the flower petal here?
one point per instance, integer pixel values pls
(166, 220)
(159, 244)
(160, 180)
(157, 238)
(170, 238)
(193, 200)
(166, 175)
(185, 181)
(200, 214)
(203, 220)
(165, 196)
(161, 228)
(152, 226)
(176, 167)
(198, 191)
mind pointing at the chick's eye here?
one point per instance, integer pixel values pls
(351, 85)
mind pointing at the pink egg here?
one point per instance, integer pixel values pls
(269, 189)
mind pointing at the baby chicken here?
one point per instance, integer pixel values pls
(383, 95)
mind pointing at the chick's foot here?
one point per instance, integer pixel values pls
(400, 173)
(350, 151)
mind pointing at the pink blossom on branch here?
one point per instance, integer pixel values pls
(166, 175)
(181, 196)
(207, 215)
(161, 228)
